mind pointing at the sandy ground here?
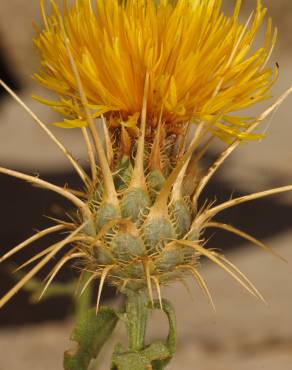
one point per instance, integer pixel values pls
(243, 334)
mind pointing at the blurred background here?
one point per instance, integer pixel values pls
(243, 334)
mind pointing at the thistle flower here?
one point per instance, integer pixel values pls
(149, 70)
(201, 63)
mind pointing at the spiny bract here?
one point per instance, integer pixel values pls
(135, 237)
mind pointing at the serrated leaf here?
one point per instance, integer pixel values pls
(92, 331)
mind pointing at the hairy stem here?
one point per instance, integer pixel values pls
(137, 317)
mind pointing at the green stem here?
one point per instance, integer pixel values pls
(137, 317)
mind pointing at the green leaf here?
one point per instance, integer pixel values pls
(170, 344)
(131, 361)
(157, 352)
(92, 331)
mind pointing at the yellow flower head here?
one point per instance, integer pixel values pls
(202, 63)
